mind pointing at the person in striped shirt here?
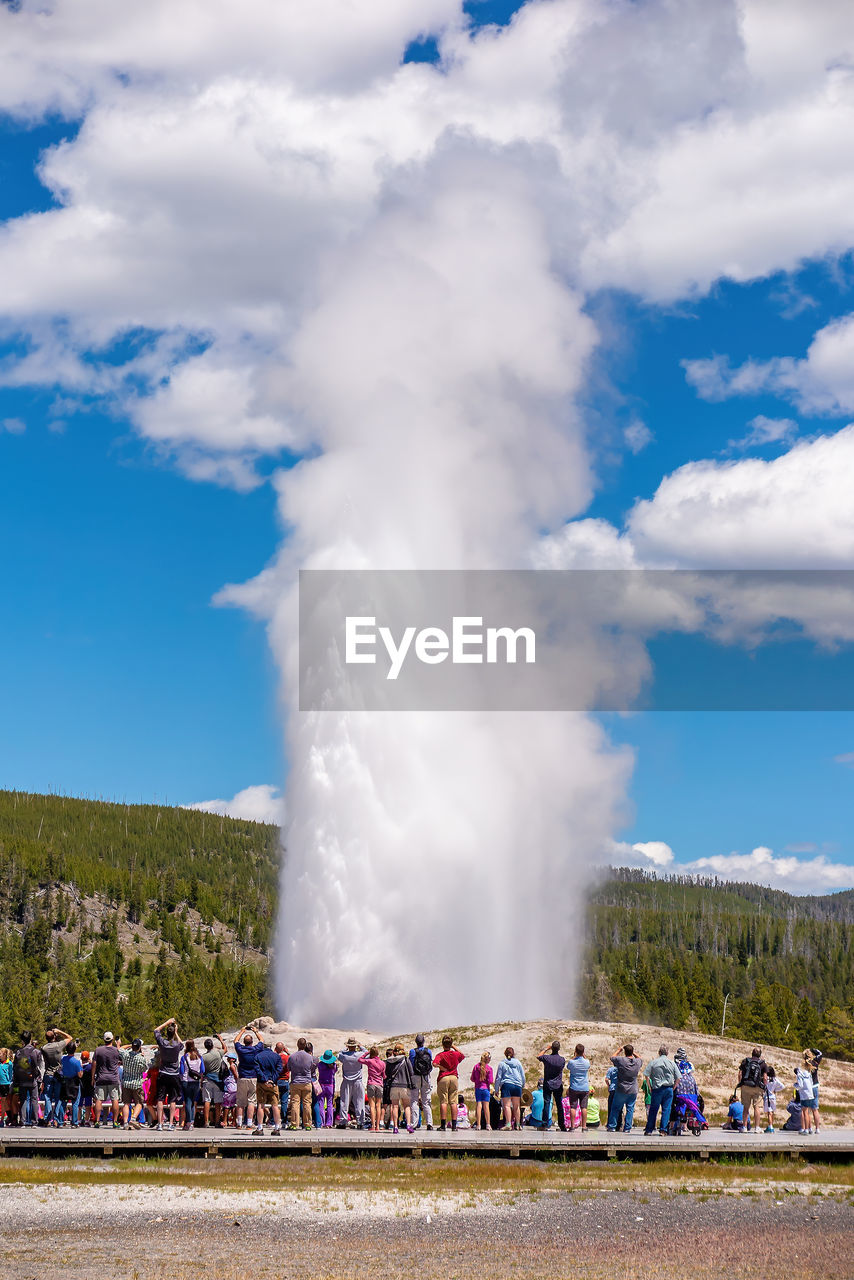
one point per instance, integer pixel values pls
(134, 1067)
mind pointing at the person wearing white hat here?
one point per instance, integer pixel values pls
(107, 1059)
(352, 1094)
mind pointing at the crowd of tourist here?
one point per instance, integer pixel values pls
(177, 1082)
(759, 1087)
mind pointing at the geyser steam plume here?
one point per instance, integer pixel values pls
(425, 851)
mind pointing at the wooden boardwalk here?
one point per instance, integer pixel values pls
(830, 1144)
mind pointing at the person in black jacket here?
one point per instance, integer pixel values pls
(401, 1078)
(26, 1076)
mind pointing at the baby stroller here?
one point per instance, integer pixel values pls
(687, 1113)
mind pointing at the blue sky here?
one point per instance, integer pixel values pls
(123, 680)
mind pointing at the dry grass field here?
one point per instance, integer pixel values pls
(367, 1218)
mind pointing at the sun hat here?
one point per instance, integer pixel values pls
(328, 1057)
(352, 1043)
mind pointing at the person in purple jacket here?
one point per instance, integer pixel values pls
(327, 1068)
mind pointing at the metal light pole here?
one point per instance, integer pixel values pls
(723, 1019)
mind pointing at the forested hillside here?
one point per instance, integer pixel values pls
(118, 915)
(670, 950)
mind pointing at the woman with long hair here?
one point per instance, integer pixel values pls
(5, 1085)
(579, 1087)
(192, 1071)
(510, 1081)
(773, 1086)
(401, 1082)
(482, 1079)
(376, 1076)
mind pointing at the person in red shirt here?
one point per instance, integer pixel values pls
(448, 1062)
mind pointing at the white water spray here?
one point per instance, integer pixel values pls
(436, 863)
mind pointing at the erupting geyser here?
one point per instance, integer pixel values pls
(436, 862)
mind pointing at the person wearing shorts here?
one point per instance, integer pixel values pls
(773, 1086)
(751, 1084)
(268, 1065)
(169, 1094)
(579, 1085)
(807, 1098)
(482, 1079)
(106, 1061)
(448, 1084)
(376, 1077)
(813, 1059)
(134, 1067)
(266, 1095)
(169, 1091)
(247, 1073)
(5, 1085)
(401, 1080)
(509, 1083)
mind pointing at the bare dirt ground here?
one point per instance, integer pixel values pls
(715, 1060)
(332, 1222)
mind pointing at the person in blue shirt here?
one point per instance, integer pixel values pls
(5, 1085)
(247, 1073)
(71, 1073)
(579, 1085)
(535, 1117)
(509, 1083)
(611, 1082)
(735, 1115)
(268, 1065)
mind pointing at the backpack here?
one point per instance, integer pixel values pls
(422, 1063)
(751, 1072)
(24, 1066)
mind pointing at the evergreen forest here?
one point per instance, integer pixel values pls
(118, 916)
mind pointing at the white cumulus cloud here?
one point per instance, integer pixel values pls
(792, 511)
(762, 430)
(822, 382)
(262, 803)
(760, 866)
